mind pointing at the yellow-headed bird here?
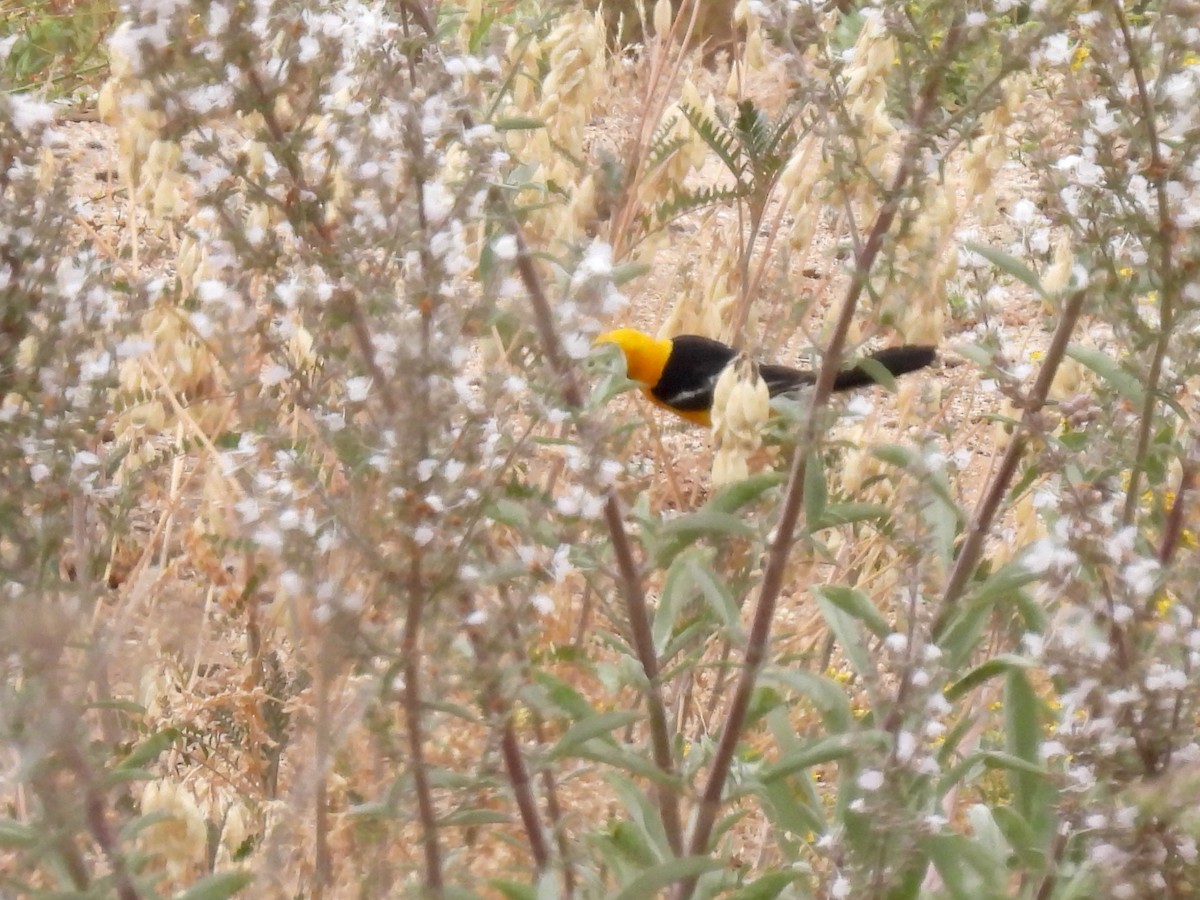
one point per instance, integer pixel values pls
(679, 373)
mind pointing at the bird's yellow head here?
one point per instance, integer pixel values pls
(645, 356)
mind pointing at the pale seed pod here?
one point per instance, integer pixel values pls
(180, 835)
(741, 406)
(1002, 432)
(1069, 379)
(662, 17)
(1058, 276)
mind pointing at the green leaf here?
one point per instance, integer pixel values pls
(895, 454)
(821, 751)
(217, 887)
(663, 875)
(825, 693)
(518, 123)
(995, 759)
(625, 272)
(1010, 265)
(989, 836)
(785, 811)
(1110, 371)
(997, 666)
(642, 814)
(149, 749)
(767, 887)
(1019, 835)
(981, 356)
(16, 834)
(816, 494)
(466, 817)
(960, 635)
(733, 497)
(842, 625)
(687, 530)
(631, 843)
(1022, 738)
(563, 695)
(636, 763)
(719, 598)
(878, 372)
(513, 890)
(967, 870)
(857, 604)
(853, 513)
(676, 591)
(591, 727)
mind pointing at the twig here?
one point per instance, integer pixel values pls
(777, 555)
(1174, 527)
(653, 106)
(496, 705)
(989, 503)
(630, 579)
(1168, 285)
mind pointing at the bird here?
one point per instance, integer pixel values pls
(679, 373)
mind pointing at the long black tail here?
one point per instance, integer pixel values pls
(897, 360)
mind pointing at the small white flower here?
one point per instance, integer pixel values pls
(505, 247)
(437, 202)
(859, 407)
(1140, 576)
(358, 388)
(870, 780)
(211, 291)
(896, 642)
(1056, 49)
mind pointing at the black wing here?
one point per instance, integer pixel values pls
(691, 372)
(897, 361)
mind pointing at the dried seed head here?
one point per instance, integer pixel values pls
(662, 17)
(180, 835)
(1069, 380)
(1058, 277)
(741, 405)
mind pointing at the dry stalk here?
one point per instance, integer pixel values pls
(993, 496)
(630, 579)
(658, 89)
(793, 500)
(1159, 172)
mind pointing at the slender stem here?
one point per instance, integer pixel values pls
(496, 705)
(1168, 285)
(993, 496)
(777, 555)
(630, 578)
(411, 699)
(518, 776)
(1173, 530)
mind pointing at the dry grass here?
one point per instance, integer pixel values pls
(289, 717)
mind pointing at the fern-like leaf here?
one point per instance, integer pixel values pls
(719, 138)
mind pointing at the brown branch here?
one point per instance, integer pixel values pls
(989, 503)
(630, 579)
(1158, 172)
(411, 699)
(654, 104)
(496, 705)
(1173, 530)
(777, 556)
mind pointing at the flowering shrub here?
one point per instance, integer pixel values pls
(333, 567)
